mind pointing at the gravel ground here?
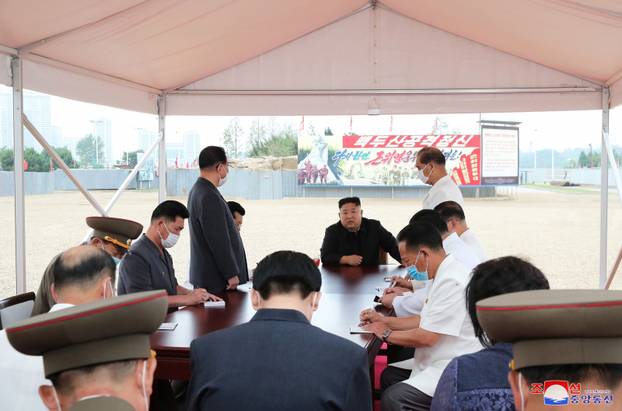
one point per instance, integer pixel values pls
(557, 229)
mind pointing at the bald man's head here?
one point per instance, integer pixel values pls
(83, 267)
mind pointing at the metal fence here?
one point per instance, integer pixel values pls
(241, 183)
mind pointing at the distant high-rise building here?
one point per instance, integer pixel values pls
(175, 155)
(38, 110)
(102, 128)
(192, 146)
(146, 138)
(6, 120)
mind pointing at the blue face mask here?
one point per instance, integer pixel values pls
(415, 274)
(116, 260)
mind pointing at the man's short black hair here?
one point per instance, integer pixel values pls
(347, 200)
(236, 207)
(500, 276)
(420, 234)
(450, 209)
(284, 272)
(610, 375)
(170, 210)
(82, 266)
(211, 156)
(431, 217)
(427, 154)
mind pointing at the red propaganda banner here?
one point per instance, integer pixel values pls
(412, 141)
(384, 160)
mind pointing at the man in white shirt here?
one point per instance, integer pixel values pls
(453, 215)
(81, 275)
(430, 163)
(407, 303)
(442, 332)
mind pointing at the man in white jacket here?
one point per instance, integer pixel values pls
(430, 163)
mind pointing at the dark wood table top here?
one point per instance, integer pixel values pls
(346, 291)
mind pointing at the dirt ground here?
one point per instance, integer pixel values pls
(557, 229)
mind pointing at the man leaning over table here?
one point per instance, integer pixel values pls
(442, 331)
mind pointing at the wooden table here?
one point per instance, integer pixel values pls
(345, 292)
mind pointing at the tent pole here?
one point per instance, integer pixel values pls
(604, 188)
(18, 167)
(126, 182)
(162, 149)
(54, 155)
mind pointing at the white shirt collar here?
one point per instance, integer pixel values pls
(60, 306)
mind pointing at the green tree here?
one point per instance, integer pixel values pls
(36, 160)
(90, 151)
(64, 153)
(583, 162)
(130, 158)
(282, 144)
(6, 159)
(232, 138)
(257, 135)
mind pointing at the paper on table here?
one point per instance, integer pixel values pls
(214, 304)
(358, 330)
(167, 326)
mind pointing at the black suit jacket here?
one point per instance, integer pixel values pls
(367, 242)
(216, 249)
(278, 361)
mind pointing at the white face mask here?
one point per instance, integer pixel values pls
(223, 180)
(144, 387)
(421, 175)
(520, 390)
(169, 241)
(56, 399)
(108, 290)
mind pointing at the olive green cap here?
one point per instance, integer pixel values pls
(113, 329)
(118, 231)
(556, 327)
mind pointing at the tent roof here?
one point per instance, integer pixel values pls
(78, 49)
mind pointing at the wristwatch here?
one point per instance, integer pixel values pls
(386, 334)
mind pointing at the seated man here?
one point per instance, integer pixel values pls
(453, 215)
(479, 380)
(355, 240)
(238, 212)
(97, 355)
(83, 274)
(148, 266)
(430, 163)
(278, 360)
(442, 332)
(565, 346)
(113, 235)
(400, 298)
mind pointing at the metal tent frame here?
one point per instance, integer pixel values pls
(20, 121)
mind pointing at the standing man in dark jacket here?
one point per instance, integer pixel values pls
(278, 360)
(355, 240)
(217, 256)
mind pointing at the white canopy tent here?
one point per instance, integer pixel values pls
(292, 57)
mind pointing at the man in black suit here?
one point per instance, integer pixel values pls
(278, 360)
(355, 240)
(217, 255)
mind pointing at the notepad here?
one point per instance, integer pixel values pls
(167, 326)
(245, 288)
(359, 330)
(214, 304)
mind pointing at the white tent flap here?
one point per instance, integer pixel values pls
(381, 50)
(61, 82)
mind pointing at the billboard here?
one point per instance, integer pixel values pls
(499, 155)
(383, 160)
